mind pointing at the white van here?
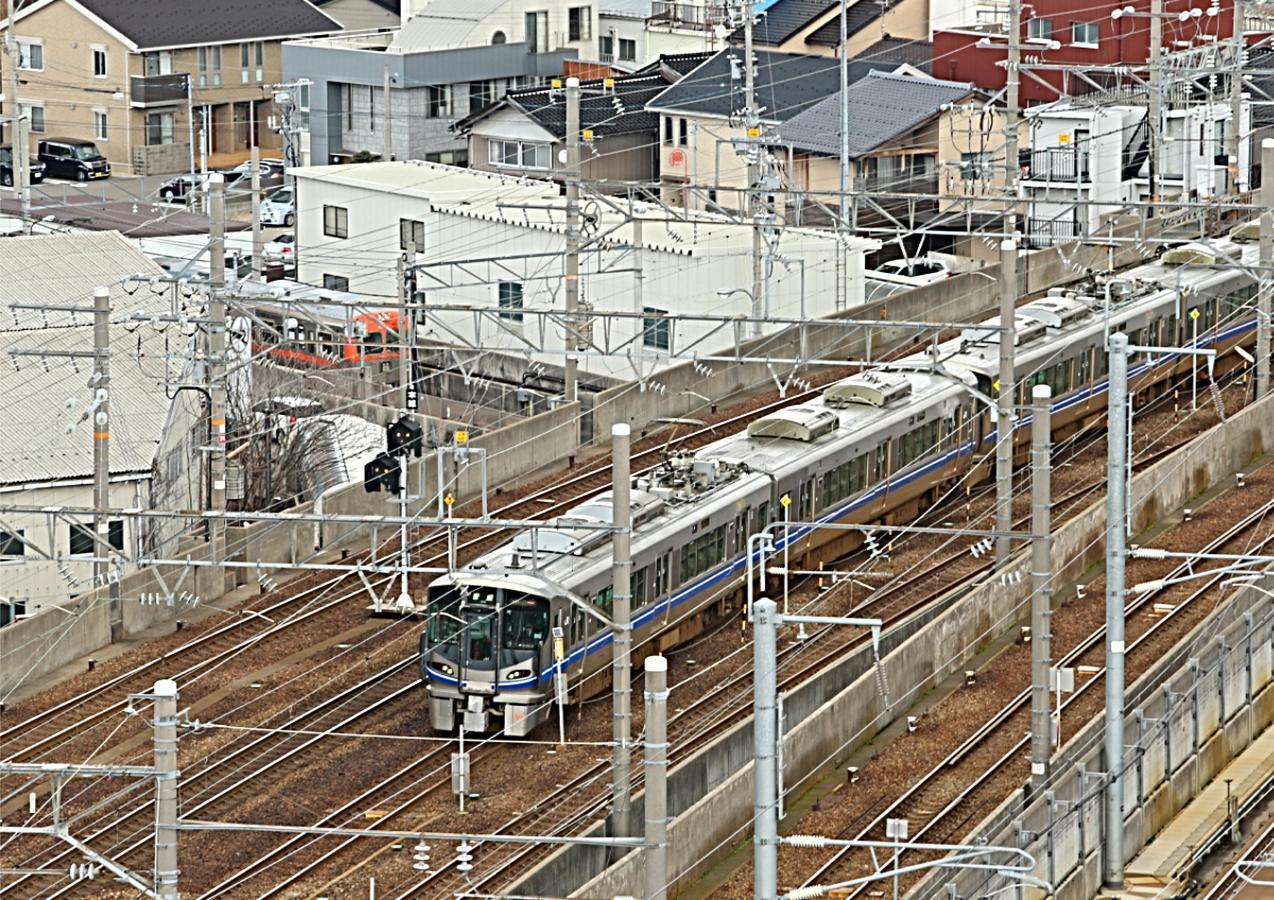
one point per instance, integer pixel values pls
(279, 208)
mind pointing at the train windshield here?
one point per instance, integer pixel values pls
(486, 626)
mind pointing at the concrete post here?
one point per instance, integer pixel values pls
(1116, 476)
(102, 447)
(622, 519)
(656, 869)
(216, 359)
(388, 153)
(1156, 102)
(165, 742)
(765, 842)
(1267, 276)
(258, 240)
(572, 236)
(20, 139)
(1234, 130)
(1041, 582)
(1011, 103)
(1004, 420)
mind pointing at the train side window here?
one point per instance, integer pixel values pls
(882, 461)
(640, 577)
(663, 565)
(762, 516)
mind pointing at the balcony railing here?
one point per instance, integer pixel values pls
(157, 90)
(1047, 232)
(1058, 164)
(692, 15)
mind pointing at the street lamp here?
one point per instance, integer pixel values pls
(724, 293)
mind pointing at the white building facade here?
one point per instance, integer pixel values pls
(497, 243)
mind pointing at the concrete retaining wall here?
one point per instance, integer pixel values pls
(710, 794)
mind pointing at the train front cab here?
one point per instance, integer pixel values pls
(482, 653)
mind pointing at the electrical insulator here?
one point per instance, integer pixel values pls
(421, 857)
(464, 857)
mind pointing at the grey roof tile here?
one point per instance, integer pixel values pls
(881, 106)
(786, 84)
(177, 23)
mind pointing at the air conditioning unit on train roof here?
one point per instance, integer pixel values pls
(868, 388)
(1056, 312)
(1247, 232)
(796, 423)
(1026, 328)
(1190, 255)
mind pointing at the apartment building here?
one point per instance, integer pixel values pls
(157, 83)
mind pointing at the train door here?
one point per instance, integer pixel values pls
(882, 465)
(805, 501)
(741, 532)
(663, 568)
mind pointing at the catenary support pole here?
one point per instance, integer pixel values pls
(1004, 404)
(1234, 124)
(622, 519)
(1116, 475)
(572, 236)
(1041, 581)
(1156, 101)
(216, 359)
(1267, 275)
(165, 741)
(765, 841)
(1011, 104)
(102, 447)
(258, 239)
(656, 868)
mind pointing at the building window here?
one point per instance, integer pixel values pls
(35, 115)
(336, 221)
(606, 48)
(510, 297)
(518, 154)
(347, 103)
(160, 128)
(335, 282)
(439, 103)
(1084, 33)
(99, 61)
(82, 543)
(1040, 29)
(627, 50)
(656, 331)
(216, 66)
(668, 127)
(976, 166)
(682, 133)
(371, 109)
(481, 95)
(99, 124)
(158, 62)
(537, 32)
(203, 66)
(10, 543)
(11, 611)
(579, 23)
(411, 235)
(30, 54)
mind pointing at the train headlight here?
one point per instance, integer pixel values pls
(446, 670)
(518, 673)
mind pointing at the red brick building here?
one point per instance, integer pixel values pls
(1075, 33)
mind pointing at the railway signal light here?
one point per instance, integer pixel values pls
(405, 436)
(382, 474)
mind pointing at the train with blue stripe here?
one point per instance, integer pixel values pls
(878, 447)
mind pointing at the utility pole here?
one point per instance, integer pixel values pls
(406, 331)
(1234, 131)
(1156, 101)
(216, 359)
(1267, 277)
(258, 241)
(21, 141)
(1116, 513)
(102, 447)
(656, 868)
(572, 237)
(751, 121)
(165, 743)
(388, 152)
(1012, 101)
(1041, 581)
(844, 116)
(1004, 405)
(190, 128)
(621, 663)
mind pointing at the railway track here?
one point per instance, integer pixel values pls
(945, 813)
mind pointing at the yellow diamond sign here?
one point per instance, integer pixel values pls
(1194, 314)
(462, 436)
(996, 384)
(785, 500)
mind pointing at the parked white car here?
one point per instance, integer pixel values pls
(281, 250)
(279, 208)
(919, 271)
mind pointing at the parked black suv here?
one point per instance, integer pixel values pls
(73, 158)
(6, 167)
